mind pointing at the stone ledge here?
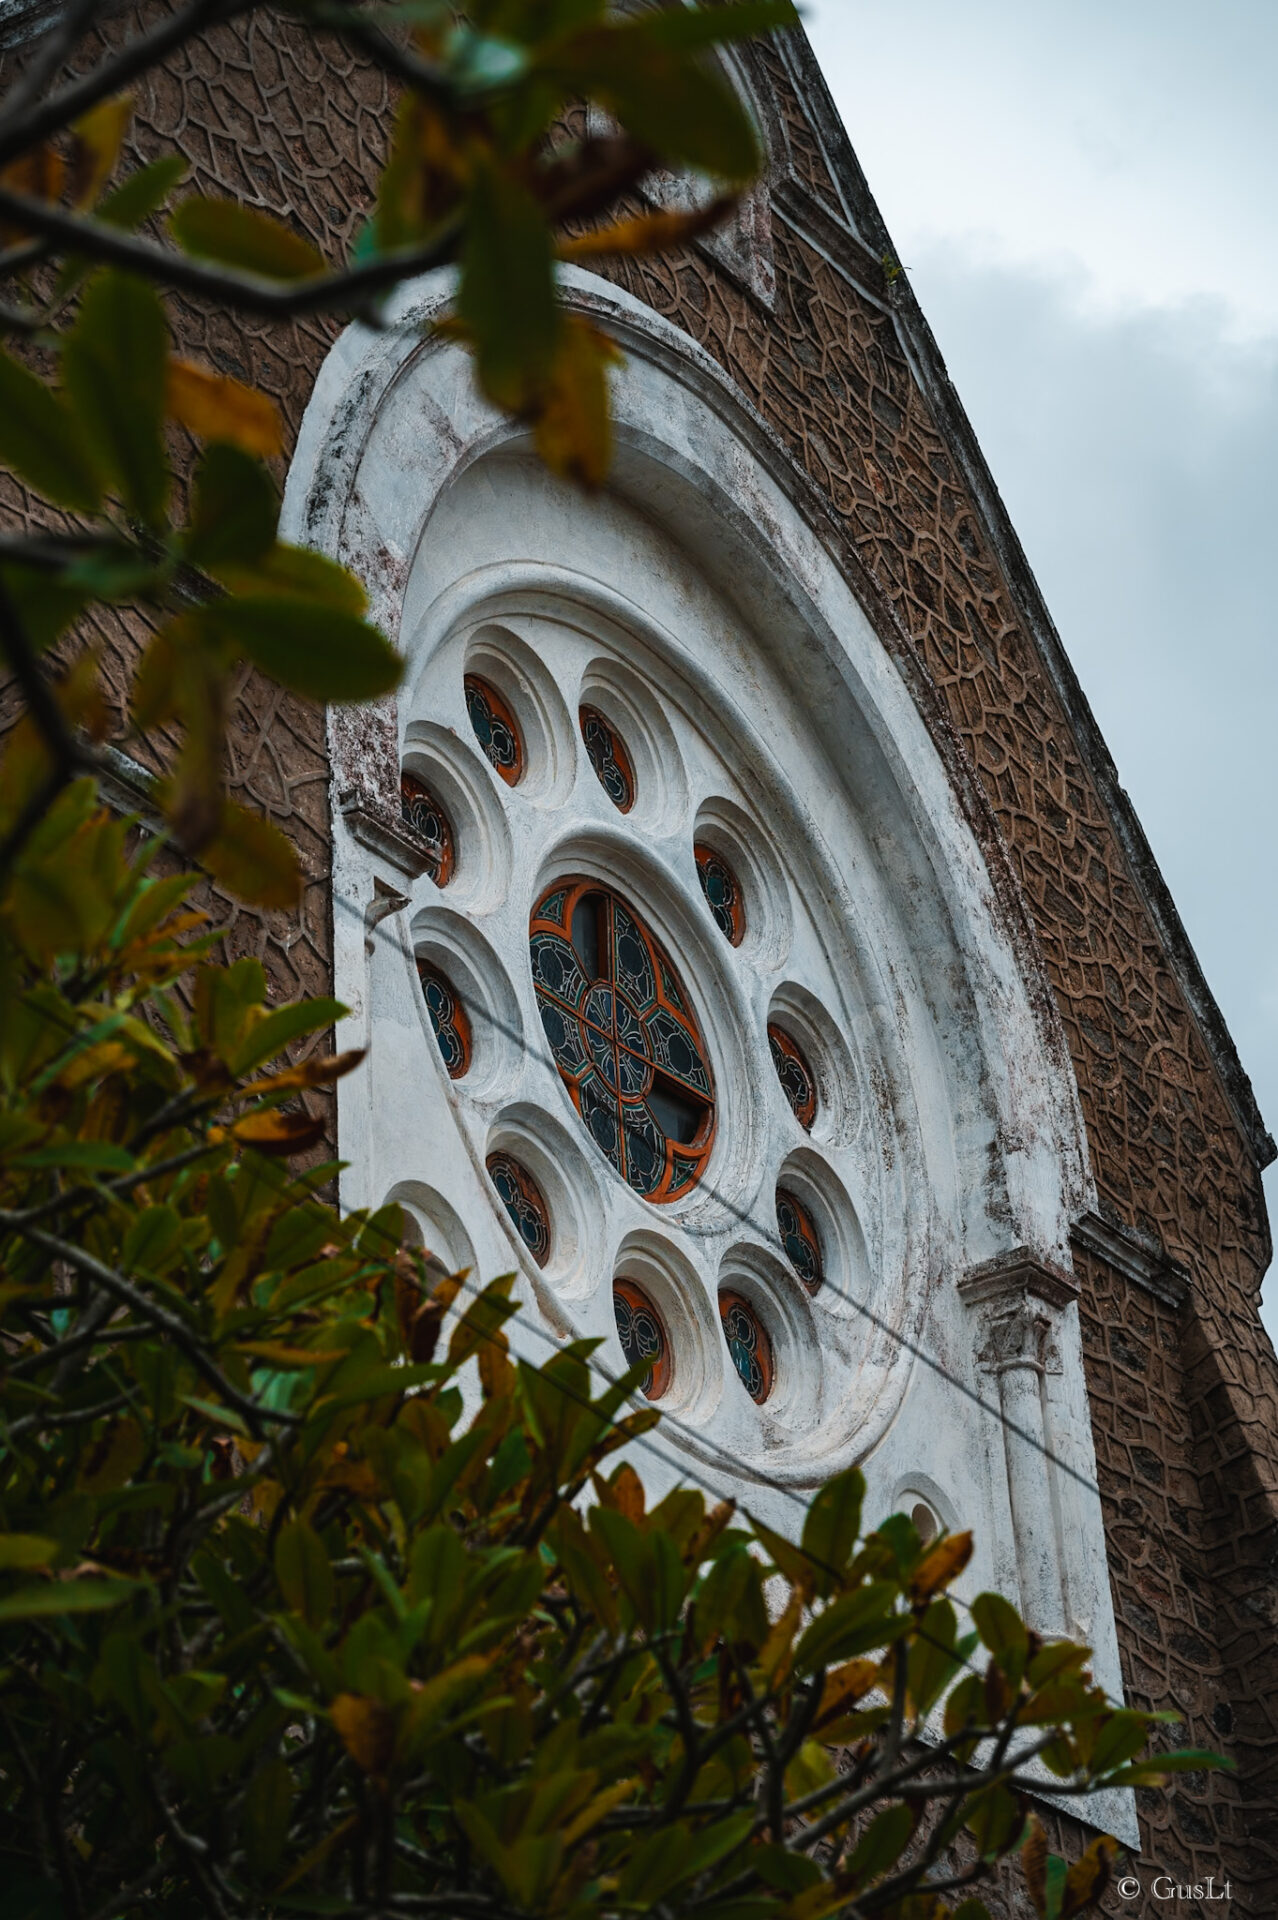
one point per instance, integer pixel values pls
(386, 835)
(1137, 1256)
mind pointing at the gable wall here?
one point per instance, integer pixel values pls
(1185, 1404)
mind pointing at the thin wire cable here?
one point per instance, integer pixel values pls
(483, 1017)
(731, 1465)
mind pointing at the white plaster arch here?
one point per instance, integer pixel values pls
(706, 571)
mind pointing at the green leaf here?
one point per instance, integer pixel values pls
(852, 1625)
(1119, 1739)
(304, 1572)
(91, 1156)
(143, 193)
(319, 651)
(25, 1550)
(299, 572)
(831, 1528)
(882, 1844)
(151, 1239)
(685, 110)
(42, 442)
(1003, 1632)
(114, 366)
(234, 509)
(45, 603)
(65, 1596)
(253, 860)
(506, 297)
(243, 238)
(268, 1805)
(269, 1036)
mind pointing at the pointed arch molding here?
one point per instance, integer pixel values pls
(947, 1034)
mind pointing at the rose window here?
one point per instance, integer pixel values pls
(623, 1037)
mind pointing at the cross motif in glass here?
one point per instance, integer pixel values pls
(627, 1047)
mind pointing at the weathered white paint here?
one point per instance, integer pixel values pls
(697, 605)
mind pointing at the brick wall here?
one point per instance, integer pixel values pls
(1185, 1404)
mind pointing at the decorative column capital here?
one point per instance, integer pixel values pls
(1018, 1275)
(1018, 1296)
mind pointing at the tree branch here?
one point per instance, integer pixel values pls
(167, 1322)
(253, 293)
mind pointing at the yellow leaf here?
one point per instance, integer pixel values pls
(1034, 1863)
(571, 424)
(253, 859)
(777, 1651)
(40, 174)
(215, 407)
(367, 1729)
(943, 1563)
(279, 1133)
(844, 1686)
(284, 1356)
(594, 1810)
(115, 1459)
(98, 136)
(648, 232)
(310, 1073)
(1088, 1878)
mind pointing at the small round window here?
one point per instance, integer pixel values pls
(723, 893)
(447, 1018)
(624, 1038)
(424, 814)
(606, 753)
(496, 728)
(748, 1344)
(524, 1202)
(797, 1081)
(642, 1333)
(800, 1239)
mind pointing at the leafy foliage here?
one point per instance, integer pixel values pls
(313, 1598)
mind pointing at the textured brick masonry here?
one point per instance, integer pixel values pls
(1184, 1403)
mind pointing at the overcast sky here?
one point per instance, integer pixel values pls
(1084, 193)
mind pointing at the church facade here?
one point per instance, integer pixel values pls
(752, 943)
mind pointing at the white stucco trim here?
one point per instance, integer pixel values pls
(706, 575)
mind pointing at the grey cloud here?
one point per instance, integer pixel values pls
(1137, 457)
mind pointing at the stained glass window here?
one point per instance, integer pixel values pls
(797, 1081)
(748, 1343)
(427, 817)
(496, 728)
(800, 1239)
(626, 1045)
(447, 1017)
(722, 891)
(524, 1202)
(643, 1336)
(608, 757)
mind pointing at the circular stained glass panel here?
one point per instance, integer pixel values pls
(496, 728)
(643, 1336)
(447, 1018)
(800, 1239)
(608, 757)
(424, 814)
(797, 1081)
(524, 1202)
(624, 1038)
(722, 891)
(748, 1344)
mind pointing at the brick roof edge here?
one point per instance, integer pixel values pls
(920, 345)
